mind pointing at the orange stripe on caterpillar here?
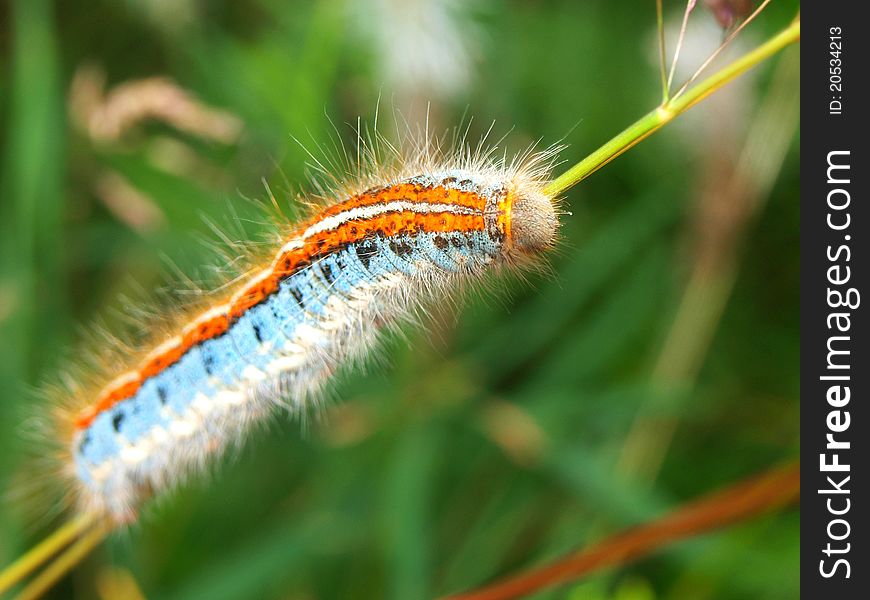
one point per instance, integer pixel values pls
(217, 320)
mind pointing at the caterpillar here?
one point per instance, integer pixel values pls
(382, 246)
(386, 243)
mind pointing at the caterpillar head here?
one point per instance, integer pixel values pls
(533, 222)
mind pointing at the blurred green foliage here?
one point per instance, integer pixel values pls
(492, 440)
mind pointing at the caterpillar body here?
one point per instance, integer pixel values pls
(364, 261)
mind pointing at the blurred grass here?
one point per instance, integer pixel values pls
(488, 447)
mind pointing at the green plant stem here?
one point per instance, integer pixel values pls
(68, 559)
(44, 551)
(667, 111)
(660, 25)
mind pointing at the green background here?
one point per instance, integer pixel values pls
(490, 439)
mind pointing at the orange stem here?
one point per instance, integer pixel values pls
(744, 500)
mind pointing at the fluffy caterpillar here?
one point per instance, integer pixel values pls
(379, 248)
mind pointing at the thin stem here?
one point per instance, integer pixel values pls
(732, 207)
(43, 551)
(66, 561)
(749, 498)
(690, 5)
(722, 46)
(663, 68)
(654, 120)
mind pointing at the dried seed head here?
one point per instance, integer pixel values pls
(729, 12)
